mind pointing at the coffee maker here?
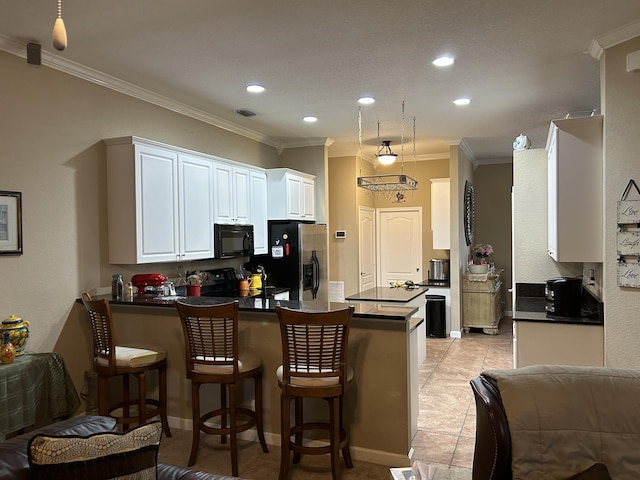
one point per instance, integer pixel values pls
(564, 296)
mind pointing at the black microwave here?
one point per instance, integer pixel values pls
(233, 240)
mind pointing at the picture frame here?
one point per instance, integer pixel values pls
(10, 223)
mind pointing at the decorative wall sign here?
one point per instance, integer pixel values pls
(629, 243)
(629, 274)
(628, 239)
(10, 223)
(628, 212)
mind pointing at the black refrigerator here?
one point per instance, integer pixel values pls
(298, 259)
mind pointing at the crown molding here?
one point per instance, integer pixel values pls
(64, 65)
(613, 38)
(464, 146)
(307, 142)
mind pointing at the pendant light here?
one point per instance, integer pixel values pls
(59, 35)
(385, 155)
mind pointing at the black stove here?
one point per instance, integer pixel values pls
(220, 282)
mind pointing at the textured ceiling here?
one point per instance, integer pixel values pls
(522, 63)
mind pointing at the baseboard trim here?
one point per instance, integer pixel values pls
(362, 454)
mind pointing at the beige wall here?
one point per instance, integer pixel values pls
(493, 216)
(532, 263)
(52, 125)
(311, 160)
(346, 198)
(621, 109)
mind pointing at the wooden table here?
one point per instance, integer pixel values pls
(34, 390)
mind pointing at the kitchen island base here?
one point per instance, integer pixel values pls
(378, 405)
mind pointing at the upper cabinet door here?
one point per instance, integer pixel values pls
(308, 199)
(574, 169)
(231, 197)
(440, 213)
(157, 215)
(196, 207)
(258, 194)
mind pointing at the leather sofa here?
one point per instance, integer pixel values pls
(14, 463)
(557, 422)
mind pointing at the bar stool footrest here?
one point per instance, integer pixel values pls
(315, 450)
(240, 427)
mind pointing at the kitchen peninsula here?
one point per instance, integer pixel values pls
(379, 404)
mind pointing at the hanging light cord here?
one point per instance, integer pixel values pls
(59, 8)
(402, 142)
(360, 137)
(414, 148)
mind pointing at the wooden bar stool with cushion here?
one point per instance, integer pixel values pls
(314, 364)
(111, 360)
(212, 356)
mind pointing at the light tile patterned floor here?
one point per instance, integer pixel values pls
(447, 420)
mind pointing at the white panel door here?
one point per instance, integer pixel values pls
(258, 209)
(196, 207)
(367, 261)
(157, 205)
(399, 245)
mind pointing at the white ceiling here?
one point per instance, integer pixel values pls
(522, 63)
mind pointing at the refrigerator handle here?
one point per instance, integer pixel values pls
(316, 274)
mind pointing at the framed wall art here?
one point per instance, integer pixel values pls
(10, 223)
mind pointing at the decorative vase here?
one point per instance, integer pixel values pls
(481, 268)
(18, 331)
(7, 350)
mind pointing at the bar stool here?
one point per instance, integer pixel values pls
(314, 364)
(212, 356)
(110, 360)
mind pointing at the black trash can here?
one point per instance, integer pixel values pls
(436, 316)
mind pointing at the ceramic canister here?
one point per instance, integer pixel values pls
(18, 331)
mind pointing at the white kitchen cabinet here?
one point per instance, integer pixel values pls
(574, 155)
(291, 195)
(258, 195)
(440, 213)
(231, 194)
(160, 203)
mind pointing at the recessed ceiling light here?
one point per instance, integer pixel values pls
(462, 101)
(310, 119)
(443, 61)
(255, 88)
(366, 100)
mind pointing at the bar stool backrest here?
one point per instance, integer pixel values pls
(211, 336)
(314, 350)
(102, 330)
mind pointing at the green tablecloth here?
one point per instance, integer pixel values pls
(35, 389)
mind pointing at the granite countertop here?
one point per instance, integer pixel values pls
(268, 304)
(530, 307)
(388, 294)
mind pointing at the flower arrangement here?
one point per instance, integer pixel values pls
(482, 252)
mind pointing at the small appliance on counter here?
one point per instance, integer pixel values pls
(149, 283)
(563, 296)
(439, 270)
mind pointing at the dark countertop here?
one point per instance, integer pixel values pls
(388, 294)
(268, 304)
(530, 307)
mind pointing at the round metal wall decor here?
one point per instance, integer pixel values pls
(469, 212)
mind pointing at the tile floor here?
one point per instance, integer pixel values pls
(447, 419)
